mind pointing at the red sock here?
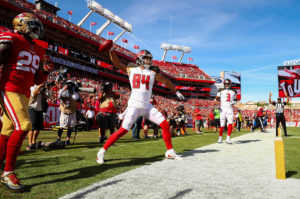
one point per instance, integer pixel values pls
(229, 130)
(114, 137)
(166, 133)
(221, 131)
(13, 147)
(3, 148)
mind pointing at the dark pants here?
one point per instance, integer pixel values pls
(137, 127)
(37, 119)
(89, 124)
(258, 123)
(239, 124)
(106, 121)
(280, 118)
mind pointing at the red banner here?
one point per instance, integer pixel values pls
(289, 81)
(63, 50)
(103, 64)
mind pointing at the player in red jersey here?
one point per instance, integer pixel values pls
(23, 65)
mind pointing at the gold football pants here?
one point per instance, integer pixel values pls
(15, 112)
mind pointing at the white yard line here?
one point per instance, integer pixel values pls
(46, 157)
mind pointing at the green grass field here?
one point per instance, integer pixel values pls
(292, 152)
(54, 173)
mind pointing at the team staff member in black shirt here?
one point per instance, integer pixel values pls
(280, 112)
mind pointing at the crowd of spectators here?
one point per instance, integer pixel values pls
(176, 69)
(91, 81)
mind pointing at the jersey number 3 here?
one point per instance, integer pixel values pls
(137, 80)
(228, 97)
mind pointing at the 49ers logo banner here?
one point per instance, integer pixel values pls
(289, 81)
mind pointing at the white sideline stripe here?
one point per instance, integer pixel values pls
(46, 157)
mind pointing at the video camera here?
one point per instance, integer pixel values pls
(49, 84)
(77, 87)
(72, 86)
(62, 75)
(106, 86)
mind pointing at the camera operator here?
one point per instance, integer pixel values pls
(181, 120)
(107, 110)
(89, 115)
(37, 106)
(68, 97)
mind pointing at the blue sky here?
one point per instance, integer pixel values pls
(248, 36)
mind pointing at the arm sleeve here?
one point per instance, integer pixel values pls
(75, 96)
(62, 93)
(97, 105)
(155, 69)
(6, 37)
(32, 89)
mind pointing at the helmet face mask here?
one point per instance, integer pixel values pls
(28, 24)
(144, 58)
(227, 83)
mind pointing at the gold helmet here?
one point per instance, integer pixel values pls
(29, 24)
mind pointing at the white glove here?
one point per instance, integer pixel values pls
(179, 95)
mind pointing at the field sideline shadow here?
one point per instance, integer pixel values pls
(81, 195)
(290, 173)
(191, 153)
(246, 141)
(90, 171)
(180, 194)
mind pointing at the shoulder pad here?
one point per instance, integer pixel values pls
(155, 69)
(131, 65)
(7, 37)
(221, 89)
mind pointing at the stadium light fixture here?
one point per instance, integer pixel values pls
(167, 47)
(110, 16)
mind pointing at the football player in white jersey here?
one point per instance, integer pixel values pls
(141, 77)
(227, 96)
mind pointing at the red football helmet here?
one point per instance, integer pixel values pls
(140, 56)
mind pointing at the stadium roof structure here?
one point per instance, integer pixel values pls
(43, 5)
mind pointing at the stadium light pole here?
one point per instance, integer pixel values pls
(181, 57)
(102, 28)
(85, 18)
(164, 55)
(118, 37)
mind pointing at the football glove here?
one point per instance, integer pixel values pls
(179, 95)
(48, 64)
